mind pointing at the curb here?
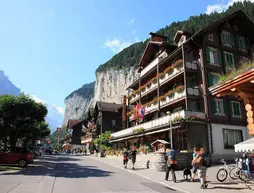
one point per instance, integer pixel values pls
(130, 171)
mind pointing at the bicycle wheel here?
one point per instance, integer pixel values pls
(234, 173)
(245, 177)
(222, 175)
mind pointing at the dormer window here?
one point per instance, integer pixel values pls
(210, 37)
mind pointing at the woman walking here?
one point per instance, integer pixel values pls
(199, 162)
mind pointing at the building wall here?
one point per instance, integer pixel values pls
(219, 151)
(107, 118)
(76, 135)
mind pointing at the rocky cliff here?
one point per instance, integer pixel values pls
(78, 102)
(111, 85)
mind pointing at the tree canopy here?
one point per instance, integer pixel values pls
(22, 118)
(130, 56)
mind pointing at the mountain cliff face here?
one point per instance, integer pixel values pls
(6, 86)
(111, 85)
(78, 102)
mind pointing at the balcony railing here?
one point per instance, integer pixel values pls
(148, 88)
(160, 122)
(163, 102)
(153, 63)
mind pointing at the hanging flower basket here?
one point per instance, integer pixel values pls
(178, 64)
(162, 75)
(180, 88)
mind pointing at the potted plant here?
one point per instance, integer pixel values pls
(178, 64)
(155, 101)
(162, 75)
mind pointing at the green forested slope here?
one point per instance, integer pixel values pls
(130, 56)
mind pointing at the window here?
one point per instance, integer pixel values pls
(113, 122)
(213, 78)
(241, 43)
(213, 56)
(236, 109)
(227, 39)
(229, 58)
(210, 37)
(231, 137)
(219, 107)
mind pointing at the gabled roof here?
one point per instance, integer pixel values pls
(160, 141)
(153, 47)
(72, 122)
(110, 107)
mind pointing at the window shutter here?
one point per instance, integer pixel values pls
(210, 79)
(225, 105)
(222, 38)
(219, 57)
(208, 55)
(231, 59)
(237, 41)
(232, 40)
(213, 105)
(247, 44)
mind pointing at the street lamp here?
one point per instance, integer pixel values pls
(171, 132)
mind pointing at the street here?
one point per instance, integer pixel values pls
(67, 173)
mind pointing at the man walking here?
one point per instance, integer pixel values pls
(133, 156)
(170, 159)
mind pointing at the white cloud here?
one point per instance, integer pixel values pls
(39, 100)
(117, 44)
(134, 32)
(132, 21)
(221, 6)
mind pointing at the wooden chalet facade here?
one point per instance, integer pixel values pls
(174, 85)
(76, 127)
(107, 117)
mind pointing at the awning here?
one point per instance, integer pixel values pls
(245, 146)
(148, 133)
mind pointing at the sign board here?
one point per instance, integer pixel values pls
(58, 130)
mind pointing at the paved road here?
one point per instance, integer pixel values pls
(79, 174)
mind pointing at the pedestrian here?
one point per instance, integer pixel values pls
(133, 156)
(170, 158)
(195, 153)
(125, 158)
(200, 163)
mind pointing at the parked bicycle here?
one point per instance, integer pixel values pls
(226, 171)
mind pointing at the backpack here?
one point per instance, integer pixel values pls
(206, 161)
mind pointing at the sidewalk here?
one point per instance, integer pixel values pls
(229, 186)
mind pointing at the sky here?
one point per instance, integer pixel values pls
(49, 48)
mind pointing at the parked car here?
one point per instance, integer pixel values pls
(16, 156)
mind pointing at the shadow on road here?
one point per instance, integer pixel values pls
(63, 166)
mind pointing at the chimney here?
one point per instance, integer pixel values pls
(157, 37)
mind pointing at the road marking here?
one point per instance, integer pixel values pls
(162, 183)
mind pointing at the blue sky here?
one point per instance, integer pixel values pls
(49, 48)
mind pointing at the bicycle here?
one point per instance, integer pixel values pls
(223, 172)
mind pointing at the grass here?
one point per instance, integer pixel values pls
(236, 71)
(9, 168)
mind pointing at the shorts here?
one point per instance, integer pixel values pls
(194, 170)
(202, 171)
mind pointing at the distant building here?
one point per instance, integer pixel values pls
(75, 127)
